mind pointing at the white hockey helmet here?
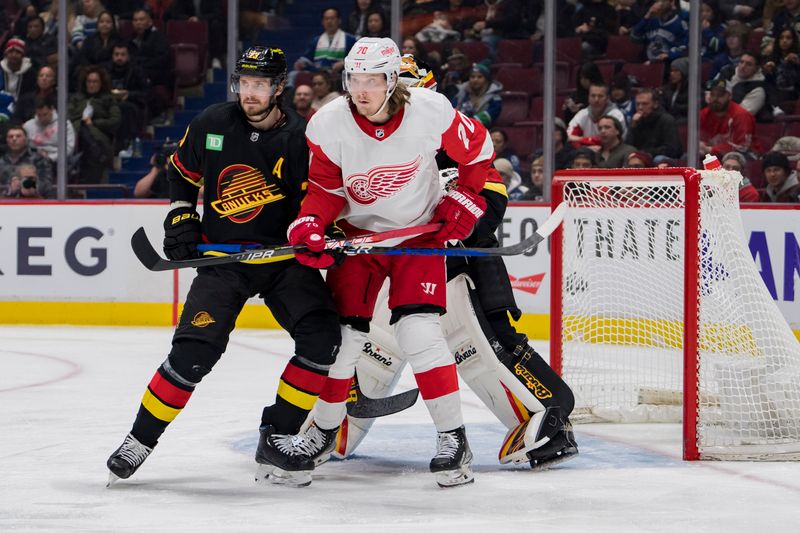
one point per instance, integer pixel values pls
(373, 55)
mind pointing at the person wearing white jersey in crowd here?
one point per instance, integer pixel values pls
(373, 166)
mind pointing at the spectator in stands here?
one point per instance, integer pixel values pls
(479, 98)
(629, 12)
(45, 88)
(130, 87)
(163, 11)
(787, 16)
(652, 129)
(95, 115)
(514, 187)
(536, 190)
(747, 11)
(713, 32)
(612, 152)
(502, 20)
(594, 22)
(324, 92)
(86, 22)
(737, 162)
(357, 21)
(377, 25)
(303, 96)
(583, 158)
(621, 96)
(663, 31)
(675, 93)
(17, 153)
(25, 183)
(327, 50)
(782, 183)
(638, 159)
(782, 67)
(439, 30)
(155, 184)
(19, 74)
(50, 17)
(736, 36)
(42, 131)
(97, 47)
(748, 87)
(501, 148)
(461, 15)
(41, 48)
(582, 129)
(455, 71)
(151, 51)
(588, 74)
(725, 126)
(413, 46)
(563, 149)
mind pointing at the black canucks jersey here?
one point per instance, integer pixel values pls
(254, 179)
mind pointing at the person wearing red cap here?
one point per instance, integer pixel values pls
(19, 76)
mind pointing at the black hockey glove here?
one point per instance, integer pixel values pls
(182, 234)
(333, 232)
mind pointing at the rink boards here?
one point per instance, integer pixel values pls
(71, 263)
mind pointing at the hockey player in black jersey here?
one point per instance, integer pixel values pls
(252, 158)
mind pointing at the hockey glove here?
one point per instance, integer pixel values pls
(458, 211)
(182, 234)
(308, 231)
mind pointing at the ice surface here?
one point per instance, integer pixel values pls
(68, 396)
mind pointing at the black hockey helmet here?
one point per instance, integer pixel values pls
(262, 61)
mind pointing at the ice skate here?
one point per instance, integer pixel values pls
(561, 448)
(293, 457)
(126, 459)
(453, 461)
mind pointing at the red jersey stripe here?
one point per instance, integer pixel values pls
(301, 378)
(335, 390)
(167, 392)
(437, 382)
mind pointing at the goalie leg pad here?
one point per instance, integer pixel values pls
(530, 435)
(476, 355)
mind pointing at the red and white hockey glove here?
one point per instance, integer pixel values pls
(309, 231)
(458, 211)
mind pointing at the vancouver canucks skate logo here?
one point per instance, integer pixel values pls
(380, 182)
(241, 193)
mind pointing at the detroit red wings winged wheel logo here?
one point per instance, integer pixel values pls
(380, 182)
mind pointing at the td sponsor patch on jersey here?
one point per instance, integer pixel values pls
(242, 191)
(214, 142)
(380, 182)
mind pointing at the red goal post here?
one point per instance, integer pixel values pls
(659, 314)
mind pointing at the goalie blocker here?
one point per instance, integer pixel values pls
(522, 391)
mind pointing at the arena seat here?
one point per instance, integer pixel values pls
(515, 108)
(528, 80)
(622, 47)
(649, 75)
(515, 51)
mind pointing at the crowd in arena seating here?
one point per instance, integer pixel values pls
(621, 77)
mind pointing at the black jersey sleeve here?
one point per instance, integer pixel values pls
(187, 163)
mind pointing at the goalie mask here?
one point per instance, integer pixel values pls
(260, 71)
(414, 73)
(371, 55)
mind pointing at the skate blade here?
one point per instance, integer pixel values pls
(112, 479)
(455, 478)
(300, 478)
(263, 472)
(556, 460)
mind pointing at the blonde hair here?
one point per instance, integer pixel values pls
(400, 97)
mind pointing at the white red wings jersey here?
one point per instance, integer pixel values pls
(384, 176)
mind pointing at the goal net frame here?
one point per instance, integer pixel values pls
(692, 182)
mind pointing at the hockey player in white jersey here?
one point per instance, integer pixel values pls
(373, 166)
(495, 361)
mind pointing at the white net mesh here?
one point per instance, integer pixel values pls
(623, 316)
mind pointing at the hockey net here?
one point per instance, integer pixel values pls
(659, 313)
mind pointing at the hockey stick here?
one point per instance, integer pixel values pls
(365, 407)
(523, 246)
(148, 256)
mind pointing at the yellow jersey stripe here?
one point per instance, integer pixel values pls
(157, 408)
(301, 399)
